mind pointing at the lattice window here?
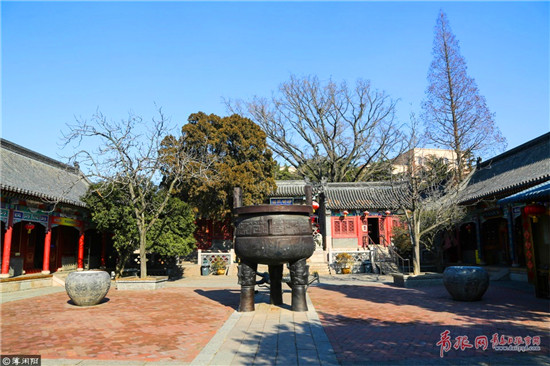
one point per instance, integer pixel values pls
(344, 227)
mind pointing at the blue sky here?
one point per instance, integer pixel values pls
(67, 59)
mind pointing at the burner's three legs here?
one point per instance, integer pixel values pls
(247, 280)
(276, 290)
(299, 272)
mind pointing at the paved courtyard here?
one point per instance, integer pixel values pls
(382, 324)
(351, 320)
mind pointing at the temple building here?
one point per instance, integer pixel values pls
(508, 222)
(45, 225)
(350, 215)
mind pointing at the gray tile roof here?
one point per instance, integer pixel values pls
(365, 195)
(510, 172)
(359, 195)
(290, 188)
(27, 173)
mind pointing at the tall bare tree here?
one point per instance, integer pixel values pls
(430, 204)
(456, 116)
(126, 154)
(327, 130)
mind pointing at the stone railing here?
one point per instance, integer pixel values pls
(362, 260)
(206, 257)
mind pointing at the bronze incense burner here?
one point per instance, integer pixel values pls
(273, 235)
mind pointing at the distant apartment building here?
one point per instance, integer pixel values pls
(418, 157)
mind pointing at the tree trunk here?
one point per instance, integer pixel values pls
(416, 248)
(143, 254)
(416, 258)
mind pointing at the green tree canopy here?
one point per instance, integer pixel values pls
(237, 147)
(111, 211)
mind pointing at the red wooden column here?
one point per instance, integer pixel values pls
(47, 245)
(80, 260)
(103, 249)
(6, 250)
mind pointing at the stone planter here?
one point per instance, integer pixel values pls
(87, 288)
(136, 283)
(466, 283)
(412, 281)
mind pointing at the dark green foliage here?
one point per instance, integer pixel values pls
(172, 234)
(237, 148)
(112, 212)
(402, 241)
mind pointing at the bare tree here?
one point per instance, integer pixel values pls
(128, 154)
(455, 114)
(431, 203)
(327, 130)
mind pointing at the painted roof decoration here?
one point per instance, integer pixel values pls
(29, 173)
(510, 172)
(539, 192)
(358, 195)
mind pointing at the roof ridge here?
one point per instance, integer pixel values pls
(23, 151)
(515, 150)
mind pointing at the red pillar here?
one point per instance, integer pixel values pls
(47, 245)
(103, 249)
(81, 252)
(7, 247)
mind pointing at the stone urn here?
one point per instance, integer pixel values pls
(466, 283)
(87, 288)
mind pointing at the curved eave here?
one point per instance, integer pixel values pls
(41, 196)
(506, 191)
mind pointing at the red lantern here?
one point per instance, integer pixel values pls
(345, 212)
(533, 210)
(388, 212)
(315, 205)
(29, 226)
(366, 213)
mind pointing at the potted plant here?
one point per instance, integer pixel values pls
(344, 262)
(218, 266)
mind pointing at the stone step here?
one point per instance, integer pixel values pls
(321, 268)
(318, 256)
(387, 267)
(58, 279)
(498, 274)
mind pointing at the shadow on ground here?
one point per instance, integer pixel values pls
(387, 325)
(228, 298)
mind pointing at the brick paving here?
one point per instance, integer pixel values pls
(383, 324)
(351, 321)
(162, 325)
